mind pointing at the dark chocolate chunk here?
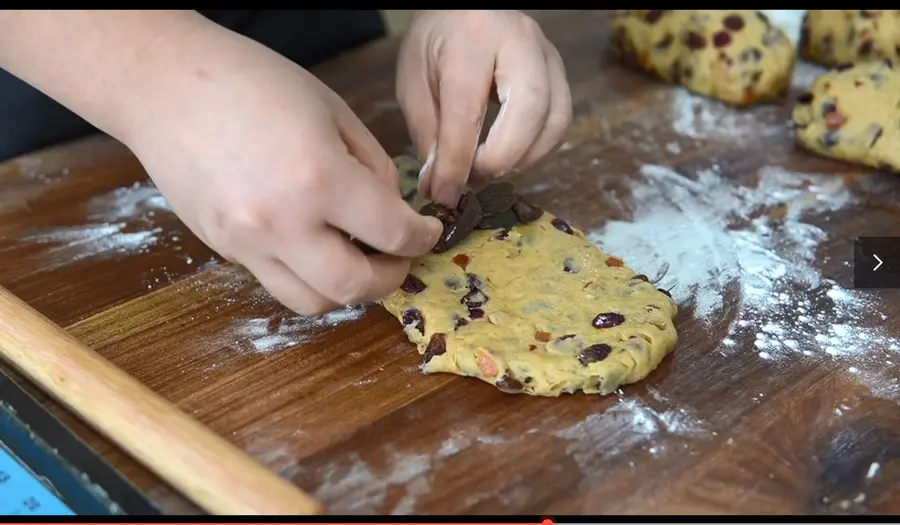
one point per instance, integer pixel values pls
(865, 49)
(722, 39)
(467, 216)
(414, 317)
(843, 66)
(562, 226)
(663, 290)
(594, 353)
(526, 212)
(413, 284)
(497, 197)
(474, 299)
(734, 22)
(666, 41)
(694, 41)
(608, 320)
(437, 345)
(805, 98)
(653, 16)
(502, 220)
(509, 384)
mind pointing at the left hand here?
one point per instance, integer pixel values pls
(451, 64)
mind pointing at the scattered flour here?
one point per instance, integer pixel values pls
(700, 118)
(760, 241)
(269, 334)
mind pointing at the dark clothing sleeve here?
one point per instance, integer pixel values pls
(30, 120)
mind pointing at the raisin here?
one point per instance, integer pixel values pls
(805, 98)
(526, 212)
(474, 299)
(562, 226)
(594, 353)
(414, 317)
(666, 42)
(503, 235)
(502, 220)
(897, 50)
(843, 66)
(476, 313)
(509, 384)
(543, 337)
(461, 260)
(461, 321)
(569, 265)
(564, 337)
(437, 345)
(608, 320)
(734, 22)
(641, 277)
(614, 262)
(722, 39)
(413, 284)
(653, 16)
(496, 197)
(865, 49)
(876, 135)
(694, 41)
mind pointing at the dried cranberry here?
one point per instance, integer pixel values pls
(414, 317)
(509, 384)
(543, 337)
(805, 98)
(594, 353)
(615, 262)
(608, 320)
(722, 39)
(695, 41)
(437, 345)
(562, 226)
(461, 260)
(734, 22)
(413, 284)
(835, 120)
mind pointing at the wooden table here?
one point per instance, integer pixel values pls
(726, 425)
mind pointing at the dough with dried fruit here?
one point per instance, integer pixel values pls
(839, 36)
(534, 308)
(852, 114)
(739, 57)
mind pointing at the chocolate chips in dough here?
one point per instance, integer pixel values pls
(739, 57)
(837, 36)
(853, 113)
(526, 303)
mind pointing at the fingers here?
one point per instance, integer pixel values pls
(343, 273)
(375, 214)
(420, 112)
(524, 94)
(287, 288)
(363, 146)
(462, 104)
(560, 115)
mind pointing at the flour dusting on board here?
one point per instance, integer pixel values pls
(270, 334)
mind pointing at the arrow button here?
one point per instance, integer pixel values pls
(880, 262)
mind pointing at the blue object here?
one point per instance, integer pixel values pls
(21, 493)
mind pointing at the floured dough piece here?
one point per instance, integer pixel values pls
(735, 56)
(838, 36)
(852, 113)
(533, 308)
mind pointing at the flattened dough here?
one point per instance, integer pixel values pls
(735, 56)
(518, 308)
(838, 36)
(853, 114)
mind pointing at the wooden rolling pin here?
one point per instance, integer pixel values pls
(216, 475)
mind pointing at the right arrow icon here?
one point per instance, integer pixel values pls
(880, 262)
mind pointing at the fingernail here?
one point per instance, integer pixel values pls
(425, 172)
(448, 194)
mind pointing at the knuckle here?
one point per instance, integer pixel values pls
(398, 239)
(349, 289)
(314, 180)
(529, 25)
(558, 121)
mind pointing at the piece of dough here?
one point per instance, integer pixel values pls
(536, 309)
(840, 36)
(853, 114)
(735, 56)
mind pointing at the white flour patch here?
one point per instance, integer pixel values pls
(788, 20)
(622, 428)
(270, 334)
(761, 241)
(701, 118)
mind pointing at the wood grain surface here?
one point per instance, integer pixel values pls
(742, 418)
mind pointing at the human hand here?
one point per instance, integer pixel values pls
(451, 63)
(272, 169)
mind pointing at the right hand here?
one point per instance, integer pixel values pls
(272, 169)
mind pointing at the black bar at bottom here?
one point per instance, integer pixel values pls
(876, 262)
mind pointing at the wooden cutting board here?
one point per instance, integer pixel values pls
(781, 397)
